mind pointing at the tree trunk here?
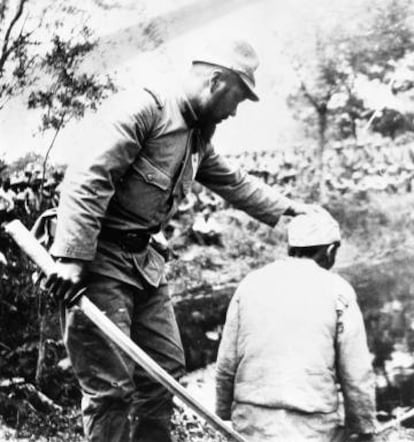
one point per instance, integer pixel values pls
(322, 124)
(44, 166)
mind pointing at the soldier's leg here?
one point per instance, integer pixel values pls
(155, 330)
(104, 372)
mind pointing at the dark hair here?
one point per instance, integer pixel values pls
(309, 252)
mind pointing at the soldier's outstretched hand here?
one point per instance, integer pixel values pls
(297, 208)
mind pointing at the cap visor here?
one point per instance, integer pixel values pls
(251, 95)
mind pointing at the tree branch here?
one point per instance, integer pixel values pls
(329, 94)
(5, 51)
(52, 143)
(311, 98)
(3, 8)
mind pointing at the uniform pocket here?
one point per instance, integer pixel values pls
(151, 174)
(144, 192)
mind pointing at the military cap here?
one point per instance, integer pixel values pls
(236, 55)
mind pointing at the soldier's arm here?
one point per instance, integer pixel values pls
(245, 192)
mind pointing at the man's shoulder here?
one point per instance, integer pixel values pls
(263, 274)
(155, 94)
(160, 92)
(343, 289)
(141, 96)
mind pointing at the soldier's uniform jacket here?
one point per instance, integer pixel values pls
(293, 331)
(138, 161)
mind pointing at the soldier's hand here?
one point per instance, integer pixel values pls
(297, 208)
(65, 280)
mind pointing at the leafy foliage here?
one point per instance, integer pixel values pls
(385, 35)
(338, 53)
(70, 92)
(16, 60)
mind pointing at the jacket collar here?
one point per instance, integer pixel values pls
(190, 117)
(187, 111)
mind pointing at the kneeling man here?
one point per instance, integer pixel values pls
(293, 332)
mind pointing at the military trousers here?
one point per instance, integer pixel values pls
(120, 401)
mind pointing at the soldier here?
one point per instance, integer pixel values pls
(138, 162)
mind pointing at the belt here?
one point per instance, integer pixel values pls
(129, 241)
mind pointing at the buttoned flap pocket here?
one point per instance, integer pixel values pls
(144, 192)
(150, 173)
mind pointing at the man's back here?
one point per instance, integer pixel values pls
(287, 313)
(293, 330)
